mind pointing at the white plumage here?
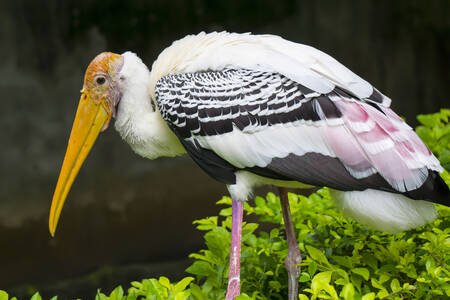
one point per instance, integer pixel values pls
(259, 148)
(384, 211)
(220, 50)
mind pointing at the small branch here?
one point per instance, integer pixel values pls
(439, 261)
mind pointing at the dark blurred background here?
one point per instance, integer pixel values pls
(128, 218)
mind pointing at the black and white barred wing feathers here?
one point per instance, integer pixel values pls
(264, 122)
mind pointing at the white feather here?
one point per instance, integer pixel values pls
(258, 148)
(360, 174)
(220, 50)
(321, 63)
(384, 211)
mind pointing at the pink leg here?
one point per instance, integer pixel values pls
(293, 258)
(235, 251)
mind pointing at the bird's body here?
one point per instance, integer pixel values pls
(259, 110)
(224, 85)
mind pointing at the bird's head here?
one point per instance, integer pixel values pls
(102, 82)
(99, 99)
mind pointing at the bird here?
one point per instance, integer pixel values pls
(254, 110)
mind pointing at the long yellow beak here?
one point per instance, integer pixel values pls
(91, 117)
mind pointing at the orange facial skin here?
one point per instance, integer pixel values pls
(105, 66)
(99, 97)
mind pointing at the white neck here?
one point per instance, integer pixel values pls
(138, 124)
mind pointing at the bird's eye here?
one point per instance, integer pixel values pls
(100, 80)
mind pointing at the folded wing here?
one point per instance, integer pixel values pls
(264, 122)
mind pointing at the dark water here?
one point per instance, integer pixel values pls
(129, 218)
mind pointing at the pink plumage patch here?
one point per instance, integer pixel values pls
(379, 141)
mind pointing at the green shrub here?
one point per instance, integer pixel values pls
(435, 132)
(341, 259)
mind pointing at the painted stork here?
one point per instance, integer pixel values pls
(255, 110)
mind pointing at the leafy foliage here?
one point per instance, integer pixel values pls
(435, 132)
(341, 259)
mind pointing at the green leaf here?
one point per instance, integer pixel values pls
(312, 268)
(357, 281)
(275, 285)
(36, 296)
(395, 285)
(226, 212)
(196, 292)
(376, 284)
(363, 272)
(218, 241)
(320, 281)
(446, 288)
(201, 268)
(182, 284)
(371, 261)
(182, 296)
(317, 255)
(155, 287)
(116, 294)
(274, 233)
(387, 268)
(383, 278)
(368, 296)
(343, 261)
(260, 202)
(164, 281)
(207, 223)
(249, 228)
(348, 292)
(136, 284)
(3, 295)
(52, 298)
(208, 257)
(382, 293)
(340, 281)
(411, 271)
(251, 240)
(225, 200)
(100, 296)
(304, 277)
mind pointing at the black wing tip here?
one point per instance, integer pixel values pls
(434, 189)
(441, 189)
